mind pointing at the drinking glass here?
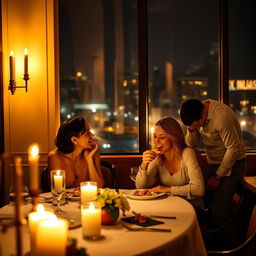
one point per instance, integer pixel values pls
(58, 187)
(133, 173)
(24, 194)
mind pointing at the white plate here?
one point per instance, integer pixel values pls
(70, 197)
(75, 198)
(129, 194)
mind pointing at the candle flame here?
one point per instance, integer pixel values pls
(25, 51)
(33, 150)
(40, 208)
(91, 206)
(12, 53)
(152, 129)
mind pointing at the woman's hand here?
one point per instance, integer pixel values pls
(89, 153)
(161, 189)
(147, 157)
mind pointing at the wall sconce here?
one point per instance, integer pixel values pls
(12, 85)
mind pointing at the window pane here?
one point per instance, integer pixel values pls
(183, 57)
(99, 71)
(242, 69)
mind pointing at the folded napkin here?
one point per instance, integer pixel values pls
(149, 222)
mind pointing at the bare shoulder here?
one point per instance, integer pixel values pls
(54, 159)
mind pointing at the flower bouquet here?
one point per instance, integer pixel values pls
(111, 202)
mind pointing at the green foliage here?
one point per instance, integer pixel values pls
(109, 199)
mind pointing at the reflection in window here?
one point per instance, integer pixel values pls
(99, 71)
(183, 56)
(242, 72)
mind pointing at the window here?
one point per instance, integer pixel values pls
(99, 71)
(183, 54)
(101, 56)
(242, 71)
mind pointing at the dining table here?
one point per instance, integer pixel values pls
(185, 238)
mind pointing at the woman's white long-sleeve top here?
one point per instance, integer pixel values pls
(187, 182)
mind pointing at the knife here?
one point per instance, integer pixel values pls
(156, 229)
(163, 217)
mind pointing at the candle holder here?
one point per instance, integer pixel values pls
(58, 187)
(12, 85)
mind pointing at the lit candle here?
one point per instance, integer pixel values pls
(12, 66)
(26, 61)
(91, 220)
(33, 157)
(34, 218)
(51, 237)
(58, 182)
(88, 191)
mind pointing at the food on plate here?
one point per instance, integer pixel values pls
(73, 193)
(143, 192)
(141, 218)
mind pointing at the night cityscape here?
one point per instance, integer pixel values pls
(99, 66)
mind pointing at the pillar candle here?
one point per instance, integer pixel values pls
(26, 61)
(88, 191)
(58, 182)
(91, 219)
(12, 66)
(34, 218)
(51, 237)
(33, 157)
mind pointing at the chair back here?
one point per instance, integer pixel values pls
(109, 174)
(45, 180)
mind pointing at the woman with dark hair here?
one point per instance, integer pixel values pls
(76, 153)
(173, 163)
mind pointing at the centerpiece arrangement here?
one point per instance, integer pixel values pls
(111, 202)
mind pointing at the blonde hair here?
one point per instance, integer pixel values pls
(174, 130)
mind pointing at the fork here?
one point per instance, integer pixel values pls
(146, 229)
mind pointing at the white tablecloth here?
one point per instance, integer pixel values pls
(184, 240)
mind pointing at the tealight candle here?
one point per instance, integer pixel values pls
(34, 218)
(91, 220)
(51, 237)
(88, 191)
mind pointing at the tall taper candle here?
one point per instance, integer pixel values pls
(26, 61)
(33, 157)
(18, 202)
(12, 66)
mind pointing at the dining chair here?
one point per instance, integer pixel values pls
(109, 174)
(248, 246)
(45, 180)
(212, 235)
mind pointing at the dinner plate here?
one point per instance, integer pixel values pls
(75, 198)
(129, 194)
(71, 197)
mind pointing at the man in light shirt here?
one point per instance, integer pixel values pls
(217, 127)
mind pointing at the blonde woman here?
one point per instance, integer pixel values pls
(173, 163)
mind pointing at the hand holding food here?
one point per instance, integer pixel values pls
(147, 157)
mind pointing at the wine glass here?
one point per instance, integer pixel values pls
(58, 187)
(24, 194)
(133, 173)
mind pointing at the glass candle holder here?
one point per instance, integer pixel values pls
(88, 191)
(91, 220)
(58, 187)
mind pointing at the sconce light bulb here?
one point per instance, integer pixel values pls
(25, 51)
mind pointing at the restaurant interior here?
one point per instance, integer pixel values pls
(119, 64)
